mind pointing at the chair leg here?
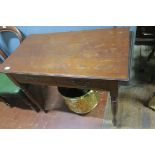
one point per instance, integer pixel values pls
(33, 101)
(5, 101)
(27, 93)
(151, 54)
(35, 90)
(28, 102)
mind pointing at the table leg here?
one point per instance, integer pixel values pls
(114, 102)
(114, 109)
(28, 95)
(32, 99)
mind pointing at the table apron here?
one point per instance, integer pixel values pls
(75, 82)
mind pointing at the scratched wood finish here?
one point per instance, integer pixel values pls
(97, 54)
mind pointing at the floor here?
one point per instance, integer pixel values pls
(135, 98)
(58, 117)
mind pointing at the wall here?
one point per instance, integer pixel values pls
(9, 41)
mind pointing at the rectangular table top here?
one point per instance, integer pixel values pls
(99, 54)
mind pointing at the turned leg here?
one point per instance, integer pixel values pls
(114, 101)
(114, 109)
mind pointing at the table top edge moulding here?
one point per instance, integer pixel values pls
(90, 54)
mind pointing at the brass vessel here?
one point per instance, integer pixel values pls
(78, 100)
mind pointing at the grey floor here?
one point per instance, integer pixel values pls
(131, 111)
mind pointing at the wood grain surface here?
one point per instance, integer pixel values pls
(97, 54)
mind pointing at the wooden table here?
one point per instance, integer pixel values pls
(96, 59)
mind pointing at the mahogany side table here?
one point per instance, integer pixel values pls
(96, 59)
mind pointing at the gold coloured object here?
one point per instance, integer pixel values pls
(81, 104)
